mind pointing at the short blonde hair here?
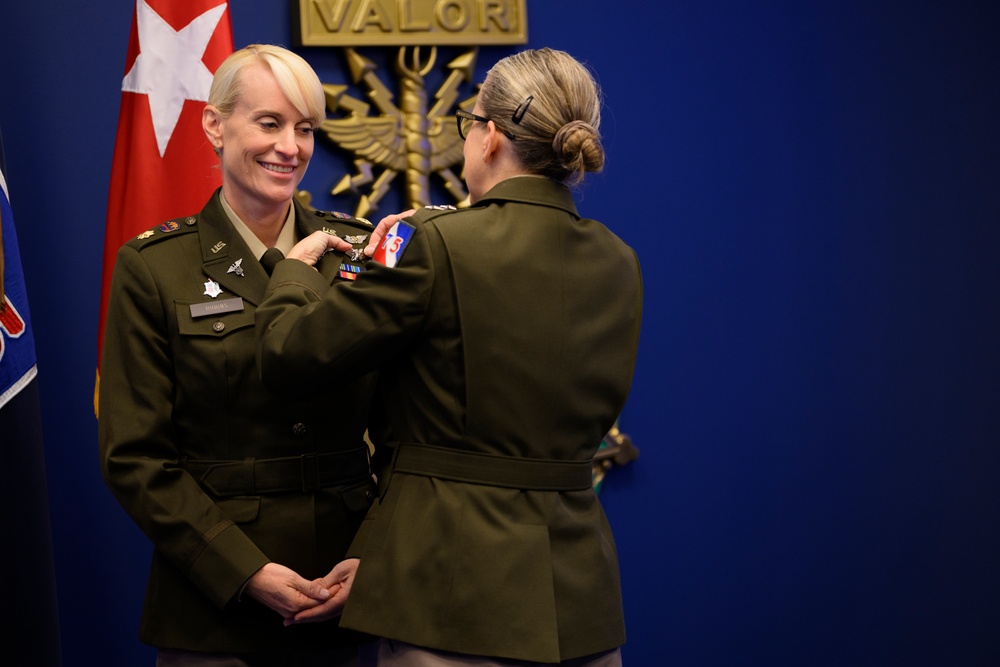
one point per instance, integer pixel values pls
(551, 104)
(294, 75)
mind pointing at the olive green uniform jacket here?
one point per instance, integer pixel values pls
(506, 338)
(180, 389)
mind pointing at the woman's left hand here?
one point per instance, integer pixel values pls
(338, 582)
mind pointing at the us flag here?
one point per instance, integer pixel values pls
(30, 633)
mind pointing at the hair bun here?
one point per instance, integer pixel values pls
(577, 146)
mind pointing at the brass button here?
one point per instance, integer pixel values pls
(299, 429)
(219, 326)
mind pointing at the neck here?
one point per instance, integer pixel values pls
(264, 221)
(503, 165)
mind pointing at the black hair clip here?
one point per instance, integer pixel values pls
(521, 110)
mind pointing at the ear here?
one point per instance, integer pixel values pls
(211, 122)
(492, 141)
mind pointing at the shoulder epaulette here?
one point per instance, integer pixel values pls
(170, 228)
(430, 212)
(344, 217)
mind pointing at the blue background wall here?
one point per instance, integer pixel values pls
(812, 189)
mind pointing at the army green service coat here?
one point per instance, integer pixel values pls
(506, 338)
(180, 387)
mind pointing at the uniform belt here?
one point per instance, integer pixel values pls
(304, 473)
(506, 471)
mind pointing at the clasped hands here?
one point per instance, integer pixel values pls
(299, 600)
(317, 244)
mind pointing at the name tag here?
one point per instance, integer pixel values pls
(216, 307)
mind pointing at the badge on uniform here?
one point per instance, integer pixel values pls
(212, 289)
(350, 271)
(390, 251)
(236, 268)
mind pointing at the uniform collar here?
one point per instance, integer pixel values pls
(532, 190)
(286, 237)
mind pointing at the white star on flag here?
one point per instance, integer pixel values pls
(163, 167)
(169, 68)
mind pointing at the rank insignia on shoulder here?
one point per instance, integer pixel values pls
(440, 208)
(365, 220)
(349, 271)
(390, 251)
(145, 235)
(170, 226)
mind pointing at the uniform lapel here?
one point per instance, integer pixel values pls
(226, 258)
(306, 224)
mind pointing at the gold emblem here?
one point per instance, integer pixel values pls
(411, 138)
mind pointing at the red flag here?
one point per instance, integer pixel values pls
(163, 165)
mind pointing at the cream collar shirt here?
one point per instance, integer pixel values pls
(287, 238)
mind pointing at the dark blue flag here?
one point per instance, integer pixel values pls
(30, 631)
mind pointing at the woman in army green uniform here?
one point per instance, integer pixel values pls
(505, 336)
(247, 496)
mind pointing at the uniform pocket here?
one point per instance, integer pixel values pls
(215, 325)
(359, 498)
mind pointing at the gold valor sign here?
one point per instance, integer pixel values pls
(411, 22)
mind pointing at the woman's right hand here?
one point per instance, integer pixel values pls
(314, 246)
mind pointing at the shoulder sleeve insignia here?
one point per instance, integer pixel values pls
(396, 239)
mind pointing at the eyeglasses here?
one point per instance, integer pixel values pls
(465, 120)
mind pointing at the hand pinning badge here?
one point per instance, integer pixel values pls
(236, 268)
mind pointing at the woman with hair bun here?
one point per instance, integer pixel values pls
(505, 337)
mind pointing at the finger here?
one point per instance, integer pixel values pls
(338, 244)
(384, 225)
(317, 591)
(329, 609)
